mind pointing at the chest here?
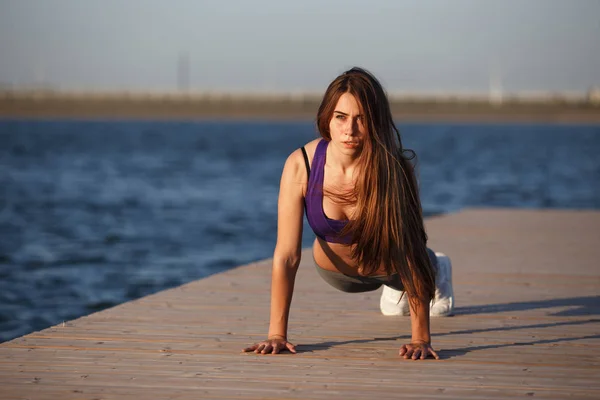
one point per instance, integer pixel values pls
(337, 196)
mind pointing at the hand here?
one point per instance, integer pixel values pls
(272, 345)
(418, 350)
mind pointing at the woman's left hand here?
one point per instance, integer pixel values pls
(418, 350)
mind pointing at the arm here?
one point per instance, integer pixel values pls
(420, 343)
(419, 322)
(286, 257)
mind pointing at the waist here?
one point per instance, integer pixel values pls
(337, 257)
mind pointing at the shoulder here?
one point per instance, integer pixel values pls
(296, 159)
(311, 147)
(294, 169)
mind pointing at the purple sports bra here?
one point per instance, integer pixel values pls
(325, 228)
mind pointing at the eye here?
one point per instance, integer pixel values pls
(340, 117)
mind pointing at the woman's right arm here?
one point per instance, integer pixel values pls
(286, 257)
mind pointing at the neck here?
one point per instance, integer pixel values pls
(345, 162)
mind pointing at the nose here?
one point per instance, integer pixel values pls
(351, 127)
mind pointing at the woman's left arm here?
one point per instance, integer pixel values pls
(420, 344)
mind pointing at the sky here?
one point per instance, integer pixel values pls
(412, 46)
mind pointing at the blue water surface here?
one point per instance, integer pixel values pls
(96, 213)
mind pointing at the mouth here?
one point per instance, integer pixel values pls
(350, 144)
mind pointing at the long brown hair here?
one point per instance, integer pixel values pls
(387, 225)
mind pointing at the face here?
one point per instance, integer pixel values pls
(347, 127)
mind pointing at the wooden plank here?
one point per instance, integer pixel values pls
(527, 324)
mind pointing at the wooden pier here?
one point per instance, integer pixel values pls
(527, 325)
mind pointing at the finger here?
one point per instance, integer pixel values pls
(403, 350)
(424, 354)
(267, 349)
(259, 348)
(276, 348)
(251, 348)
(416, 354)
(291, 347)
(409, 353)
(434, 354)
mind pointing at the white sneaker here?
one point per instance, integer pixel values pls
(443, 303)
(441, 306)
(391, 304)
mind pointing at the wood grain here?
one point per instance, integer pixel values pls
(527, 324)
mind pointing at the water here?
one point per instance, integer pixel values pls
(93, 214)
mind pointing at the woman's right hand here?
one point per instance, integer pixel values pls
(271, 346)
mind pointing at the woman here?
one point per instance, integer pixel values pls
(361, 199)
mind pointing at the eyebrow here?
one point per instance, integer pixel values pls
(343, 113)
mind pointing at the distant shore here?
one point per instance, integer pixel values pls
(181, 106)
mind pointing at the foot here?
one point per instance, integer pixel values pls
(442, 305)
(391, 303)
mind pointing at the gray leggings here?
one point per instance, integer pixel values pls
(358, 284)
